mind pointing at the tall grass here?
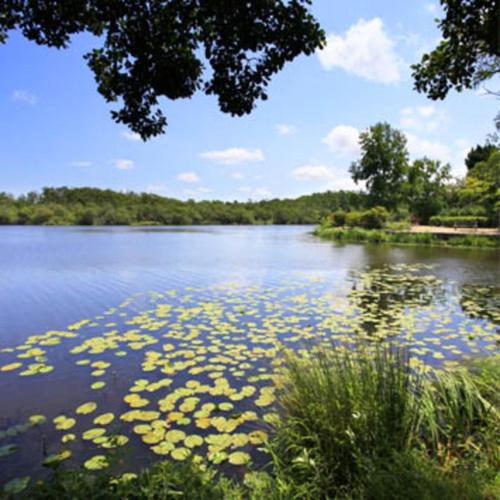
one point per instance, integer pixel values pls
(349, 417)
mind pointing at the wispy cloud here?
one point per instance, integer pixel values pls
(190, 177)
(285, 129)
(259, 193)
(233, 156)
(365, 50)
(81, 163)
(123, 164)
(24, 96)
(422, 118)
(131, 136)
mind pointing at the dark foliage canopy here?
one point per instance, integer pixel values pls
(173, 48)
(469, 52)
(92, 206)
(479, 153)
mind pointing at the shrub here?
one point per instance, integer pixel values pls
(337, 218)
(374, 218)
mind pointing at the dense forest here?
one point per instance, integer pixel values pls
(395, 190)
(92, 206)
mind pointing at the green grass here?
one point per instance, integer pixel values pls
(352, 423)
(359, 235)
(357, 424)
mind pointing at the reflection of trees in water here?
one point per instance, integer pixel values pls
(383, 297)
(481, 302)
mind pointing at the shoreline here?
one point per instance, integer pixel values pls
(442, 238)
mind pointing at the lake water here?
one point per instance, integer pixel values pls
(187, 324)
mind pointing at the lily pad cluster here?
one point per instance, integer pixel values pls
(194, 372)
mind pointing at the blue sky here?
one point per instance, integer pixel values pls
(55, 129)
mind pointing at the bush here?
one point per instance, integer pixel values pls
(373, 218)
(337, 218)
(458, 220)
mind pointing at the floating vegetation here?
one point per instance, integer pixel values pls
(56, 458)
(202, 365)
(97, 462)
(86, 408)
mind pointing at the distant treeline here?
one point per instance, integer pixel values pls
(92, 206)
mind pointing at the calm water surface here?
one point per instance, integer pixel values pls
(256, 286)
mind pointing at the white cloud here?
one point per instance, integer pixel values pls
(131, 136)
(330, 178)
(238, 175)
(24, 96)
(233, 156)
(422, 118)
(343, 140)
(188, 177)
(419, 147)
(285, 129)
(123, 164)
(82, 163)
(364, 50)
(313, 173)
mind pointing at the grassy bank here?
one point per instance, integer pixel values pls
(353, 425)
(360, 235)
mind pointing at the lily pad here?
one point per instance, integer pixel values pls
(86, 408)
(97, 462)
(104, 419)
(239, 458)
(180, 454)
(17, 485)
(7, 449)
(56, 458)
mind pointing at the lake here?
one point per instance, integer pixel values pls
(167, 341)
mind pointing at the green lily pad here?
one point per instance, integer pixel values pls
(86, 408)
(17, 485)
(239, 458)
(97, 462)
(193, 441)
(104, 419)
(7, 449)
(56, 458)
(180, 454)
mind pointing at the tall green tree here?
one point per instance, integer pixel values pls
(479, 153)
(383, 164)
(469, 52)
(426, 188)
(173, 48)
(480, 191)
